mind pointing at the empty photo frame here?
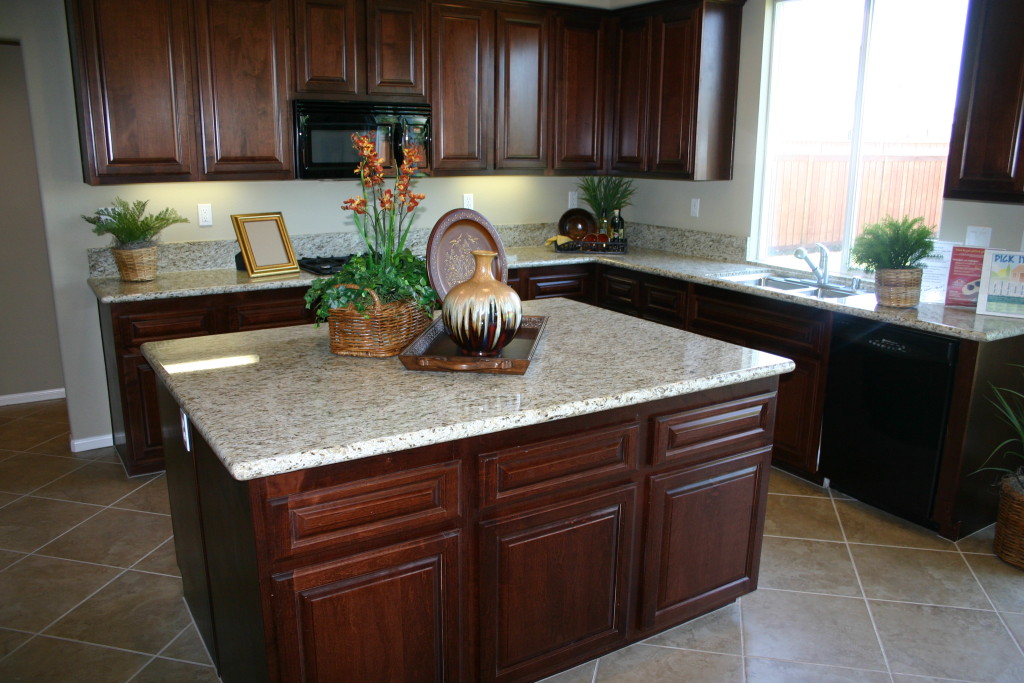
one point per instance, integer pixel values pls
(266, 248)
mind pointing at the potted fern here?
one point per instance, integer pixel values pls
(1009, 540)
(894, 249)
(135, 234)
(605, 193)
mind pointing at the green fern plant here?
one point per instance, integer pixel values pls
(1009, 406)
(894, 244)
(129, 225)
(605, 193)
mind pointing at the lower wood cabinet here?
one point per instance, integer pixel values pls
(569, 281)
(504, 557)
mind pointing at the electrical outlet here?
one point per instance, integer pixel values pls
(695, 207)
(205, 215)
(467, 201)
(574, 199)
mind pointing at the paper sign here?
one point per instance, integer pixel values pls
(964, 282)
(978, 236)
(1002, 284)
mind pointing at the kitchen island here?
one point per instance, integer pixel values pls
(346, 519)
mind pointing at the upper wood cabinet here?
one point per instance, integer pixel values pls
(580, 53)
(675, 108)
(361, 48)
(986, 150)
(133, 73)
(521, 97)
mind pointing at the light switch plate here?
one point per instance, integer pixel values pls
(574, 199)
(695, 207)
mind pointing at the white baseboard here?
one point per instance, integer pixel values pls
(92, 442)
(31, 397)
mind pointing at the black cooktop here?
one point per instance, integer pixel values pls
(323, 265)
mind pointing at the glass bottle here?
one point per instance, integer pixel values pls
(618, 227)
(604, 225)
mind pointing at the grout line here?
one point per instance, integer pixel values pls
(992, 602)
(860, 584)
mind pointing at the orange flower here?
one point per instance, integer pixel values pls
(357, 204)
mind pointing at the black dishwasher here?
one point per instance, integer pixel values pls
(886, 408)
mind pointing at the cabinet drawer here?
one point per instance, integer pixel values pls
(136, 329)
(378, 507)
(720, 429)
(279, 310)
(568, 283)
(524, 471)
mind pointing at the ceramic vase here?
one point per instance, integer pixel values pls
(482, 314)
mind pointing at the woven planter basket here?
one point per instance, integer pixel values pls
(898, 288)
(136, 265)
(378, 332)
(1009, 543)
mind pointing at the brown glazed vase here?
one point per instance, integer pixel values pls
(482, 314)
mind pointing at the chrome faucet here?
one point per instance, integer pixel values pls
(820, 271)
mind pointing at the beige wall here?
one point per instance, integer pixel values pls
(309, 207)
(29, 355)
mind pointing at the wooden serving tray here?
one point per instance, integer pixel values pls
(434, 350)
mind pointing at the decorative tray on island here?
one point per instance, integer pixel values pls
(434, 350)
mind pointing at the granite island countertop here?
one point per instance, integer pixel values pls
(277, 400)
(931, 315)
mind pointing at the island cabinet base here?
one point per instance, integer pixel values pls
(503, 557)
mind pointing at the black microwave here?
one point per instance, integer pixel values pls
(324, 129)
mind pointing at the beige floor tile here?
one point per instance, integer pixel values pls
(53, 660)
(57, 445)
(7, 558)
(151, 497)
(22, 435)
(38, 590)
(4, 454)
(10, 640)
(6, 498)
(108, 455)
(809, 566)
(137, 611)
(162, 560)
(932, 577)
(777, 671)
(979, 542)
(24, 472)
(49, 411)
(19, 410)
(865, 524)
(1015, 622)
(1003, 582)
(645, 663)
(93, 482)
(29, 523)
(167, 671)
(819, 629)
(189, 647)
(584, 673)
(718, 632)
(114, 537)
(802, 517)
(784, 482)
(898, 678)
(947, 642)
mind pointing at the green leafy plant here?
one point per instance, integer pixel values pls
(129, 225)
(894, 244)
(605, 193)
(1009, 405)
(383, 218)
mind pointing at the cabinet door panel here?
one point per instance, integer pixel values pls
(629, 142)
(272, 308)
(243, 85)
(328, 46)
(716, 430)
(580, 52)
(676, 59)
(395, 37)
(522, 102)
(135, 89)
(688, 569)
(554, 584)
(351, 620)
(663, 302)
(139, 328)
(798, 422)
(462, 82)
(567, 282)
(142, 410)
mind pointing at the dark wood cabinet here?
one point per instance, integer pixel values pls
(800, 333)
(580, 89)
(244, 117)
(986, 150)
(131, 383)
(462, 86)
(678, 70)
(133, 76)
(396, 43)
(521, 97)
(651, 297)
(570, 281)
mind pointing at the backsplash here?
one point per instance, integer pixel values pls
(219, 254)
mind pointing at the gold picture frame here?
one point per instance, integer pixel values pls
(266, 247)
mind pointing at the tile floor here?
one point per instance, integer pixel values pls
(89, 590)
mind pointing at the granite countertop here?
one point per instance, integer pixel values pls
(277, 400)
(931, 315)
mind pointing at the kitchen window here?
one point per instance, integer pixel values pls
(860, 106)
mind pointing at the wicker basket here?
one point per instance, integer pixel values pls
(136, 265)
(379, 332)
(898, 288)
(1009, 543)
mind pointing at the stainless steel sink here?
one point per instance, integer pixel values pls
(791, 285)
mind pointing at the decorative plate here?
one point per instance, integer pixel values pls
(577, 223)
(455, 235)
